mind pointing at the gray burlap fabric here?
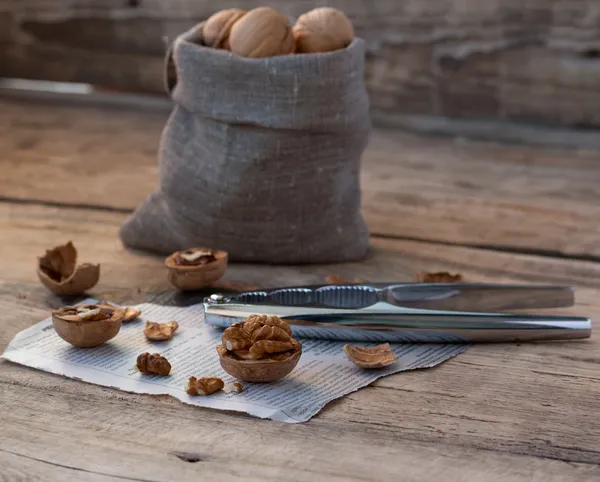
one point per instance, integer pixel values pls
(260, 157)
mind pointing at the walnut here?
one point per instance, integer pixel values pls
(204, 386)
(441, 277)
(322, 30)
(262, 32)
(216, 30)
(260, 349)
(196, 268)
(58, 271)
(87, 325)
(160, 331)
(153, 364)
(376, 357)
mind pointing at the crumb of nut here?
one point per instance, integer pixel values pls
(438, 430)
(235, 387)
(160, 331)
(204, 386)
(153, 364)
(378, 356)
(440, 277)
(260, 349)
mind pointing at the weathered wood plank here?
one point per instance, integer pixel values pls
(529, 399)
(116, 428)
(438, 189)
(473, 59)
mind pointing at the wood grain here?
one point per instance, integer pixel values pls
(526, 61)
(489, 411)
(444, 190)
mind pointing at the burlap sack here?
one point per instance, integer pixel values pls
(260, 157)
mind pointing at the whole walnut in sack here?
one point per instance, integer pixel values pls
(260, 157)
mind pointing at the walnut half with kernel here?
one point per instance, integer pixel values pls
(196, 268)
(86, 326)
(260, 349)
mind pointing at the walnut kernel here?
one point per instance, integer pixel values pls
(204, 386)
(235, 387)
(160, 331)
(153, 364)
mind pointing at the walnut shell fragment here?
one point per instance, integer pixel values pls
(204, 386)
(376, 357)
(160, 331)
(58, 271)
(86, 326)
(153, 364)
(440, 277)
(196, 268)
(260, 349)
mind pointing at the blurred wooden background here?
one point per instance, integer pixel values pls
(535, 61)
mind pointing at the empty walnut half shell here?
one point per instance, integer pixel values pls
(261, 349)
(59, 273)
(376, 357)
(196, 268)
(86, 326)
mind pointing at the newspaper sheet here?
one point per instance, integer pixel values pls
(322, 375)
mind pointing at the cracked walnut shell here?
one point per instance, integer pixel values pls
(160, 331)
(196, 268)
(58, 271)
(260, 349)
(86, 326)
(204, 386)
(376, 357)
(153, 364)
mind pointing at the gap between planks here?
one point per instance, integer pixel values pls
(544, 253)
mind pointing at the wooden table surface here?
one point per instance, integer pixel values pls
(495, 213)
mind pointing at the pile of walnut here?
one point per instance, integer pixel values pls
(264, 32)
